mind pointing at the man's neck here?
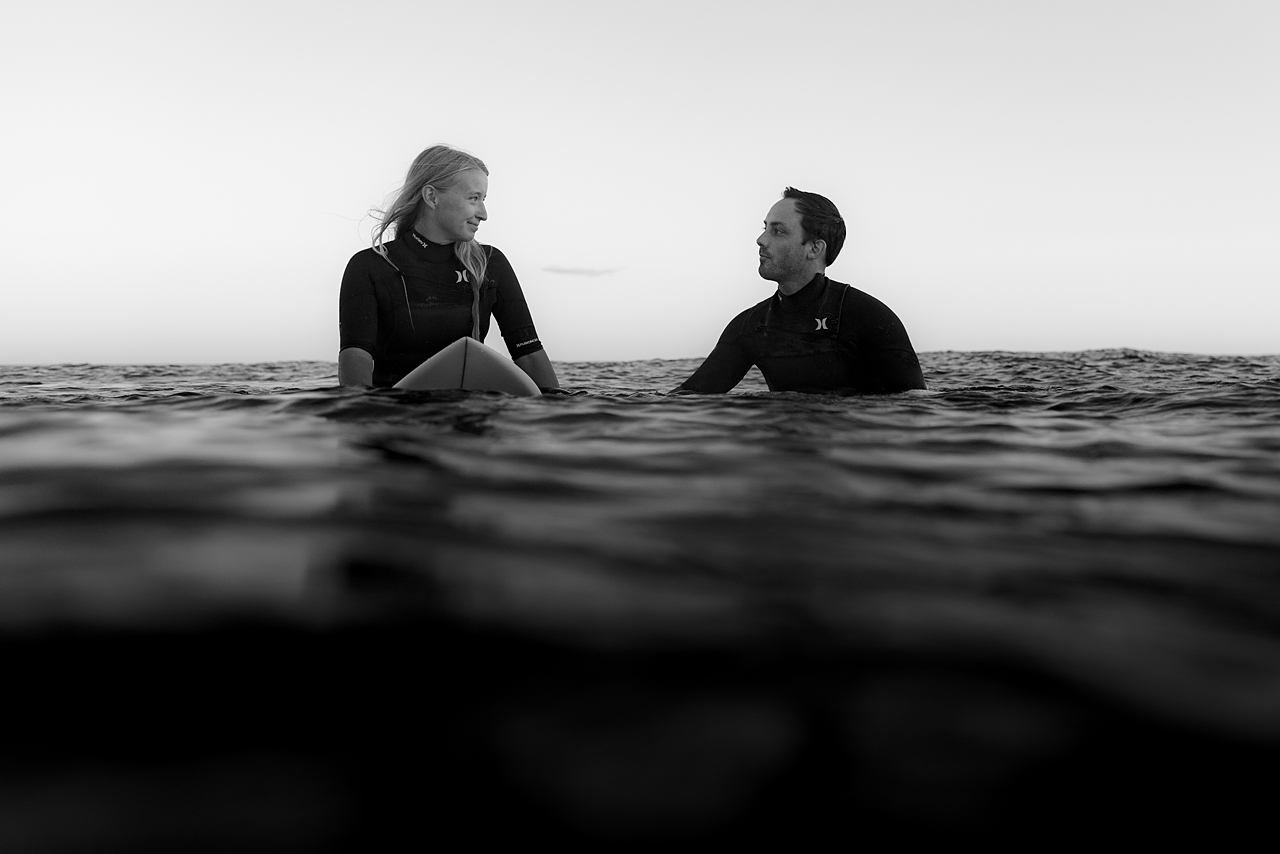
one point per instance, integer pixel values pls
(793, 284)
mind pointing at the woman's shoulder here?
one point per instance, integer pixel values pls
(493, 253)
(499, 266)
(371, 261)
(365, 257)
(360, 262)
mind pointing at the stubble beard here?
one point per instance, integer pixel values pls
(774, 270)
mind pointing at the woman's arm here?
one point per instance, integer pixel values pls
(538, 366)
(516, 323)
(355, 368)
(357, 321)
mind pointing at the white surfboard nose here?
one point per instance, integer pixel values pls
(469, 365)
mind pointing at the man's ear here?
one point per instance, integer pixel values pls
(817, 249)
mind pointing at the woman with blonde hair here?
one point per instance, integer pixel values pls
(405, 299)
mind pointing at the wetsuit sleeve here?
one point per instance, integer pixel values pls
(885, 349)
(510, 309)
(358, 307)
(726, 366)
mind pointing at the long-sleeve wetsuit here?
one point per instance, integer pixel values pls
(826, 337)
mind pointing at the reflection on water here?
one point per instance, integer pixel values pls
(1045, 584)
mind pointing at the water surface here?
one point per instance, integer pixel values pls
(1107, 522)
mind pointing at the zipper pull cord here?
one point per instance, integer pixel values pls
(408, 305)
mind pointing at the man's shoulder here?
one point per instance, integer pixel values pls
(758, 310)
(871, 322)
(859, 303)
(747, 319)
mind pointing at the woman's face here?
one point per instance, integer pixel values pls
(457, 211)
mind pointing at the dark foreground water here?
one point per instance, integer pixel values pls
(241, 609)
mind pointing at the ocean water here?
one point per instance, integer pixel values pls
(242, 607)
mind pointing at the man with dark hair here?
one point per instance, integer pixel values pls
(814, 334)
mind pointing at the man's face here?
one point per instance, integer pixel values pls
(783, 251)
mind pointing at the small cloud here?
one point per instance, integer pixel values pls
(582, 271)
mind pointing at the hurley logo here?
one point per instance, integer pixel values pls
(462, 277)
(822, 323)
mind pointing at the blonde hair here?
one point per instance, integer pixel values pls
(439, 166)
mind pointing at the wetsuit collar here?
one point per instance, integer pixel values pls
(805, 298)
(437, 253)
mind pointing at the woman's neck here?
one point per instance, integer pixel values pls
(425, 240)
(428, 229)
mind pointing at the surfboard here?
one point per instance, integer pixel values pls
(469, 365)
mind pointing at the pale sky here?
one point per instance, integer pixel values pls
(185, 181)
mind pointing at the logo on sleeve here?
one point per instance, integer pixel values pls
(822, 324)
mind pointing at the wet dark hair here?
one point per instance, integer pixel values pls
(820, 220)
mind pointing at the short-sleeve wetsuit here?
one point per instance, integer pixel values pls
(826, 337)
(402, 322)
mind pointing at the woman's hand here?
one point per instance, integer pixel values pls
(355, 368)
(538, 366)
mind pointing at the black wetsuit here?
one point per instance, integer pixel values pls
(403, 322)
(826, 337)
